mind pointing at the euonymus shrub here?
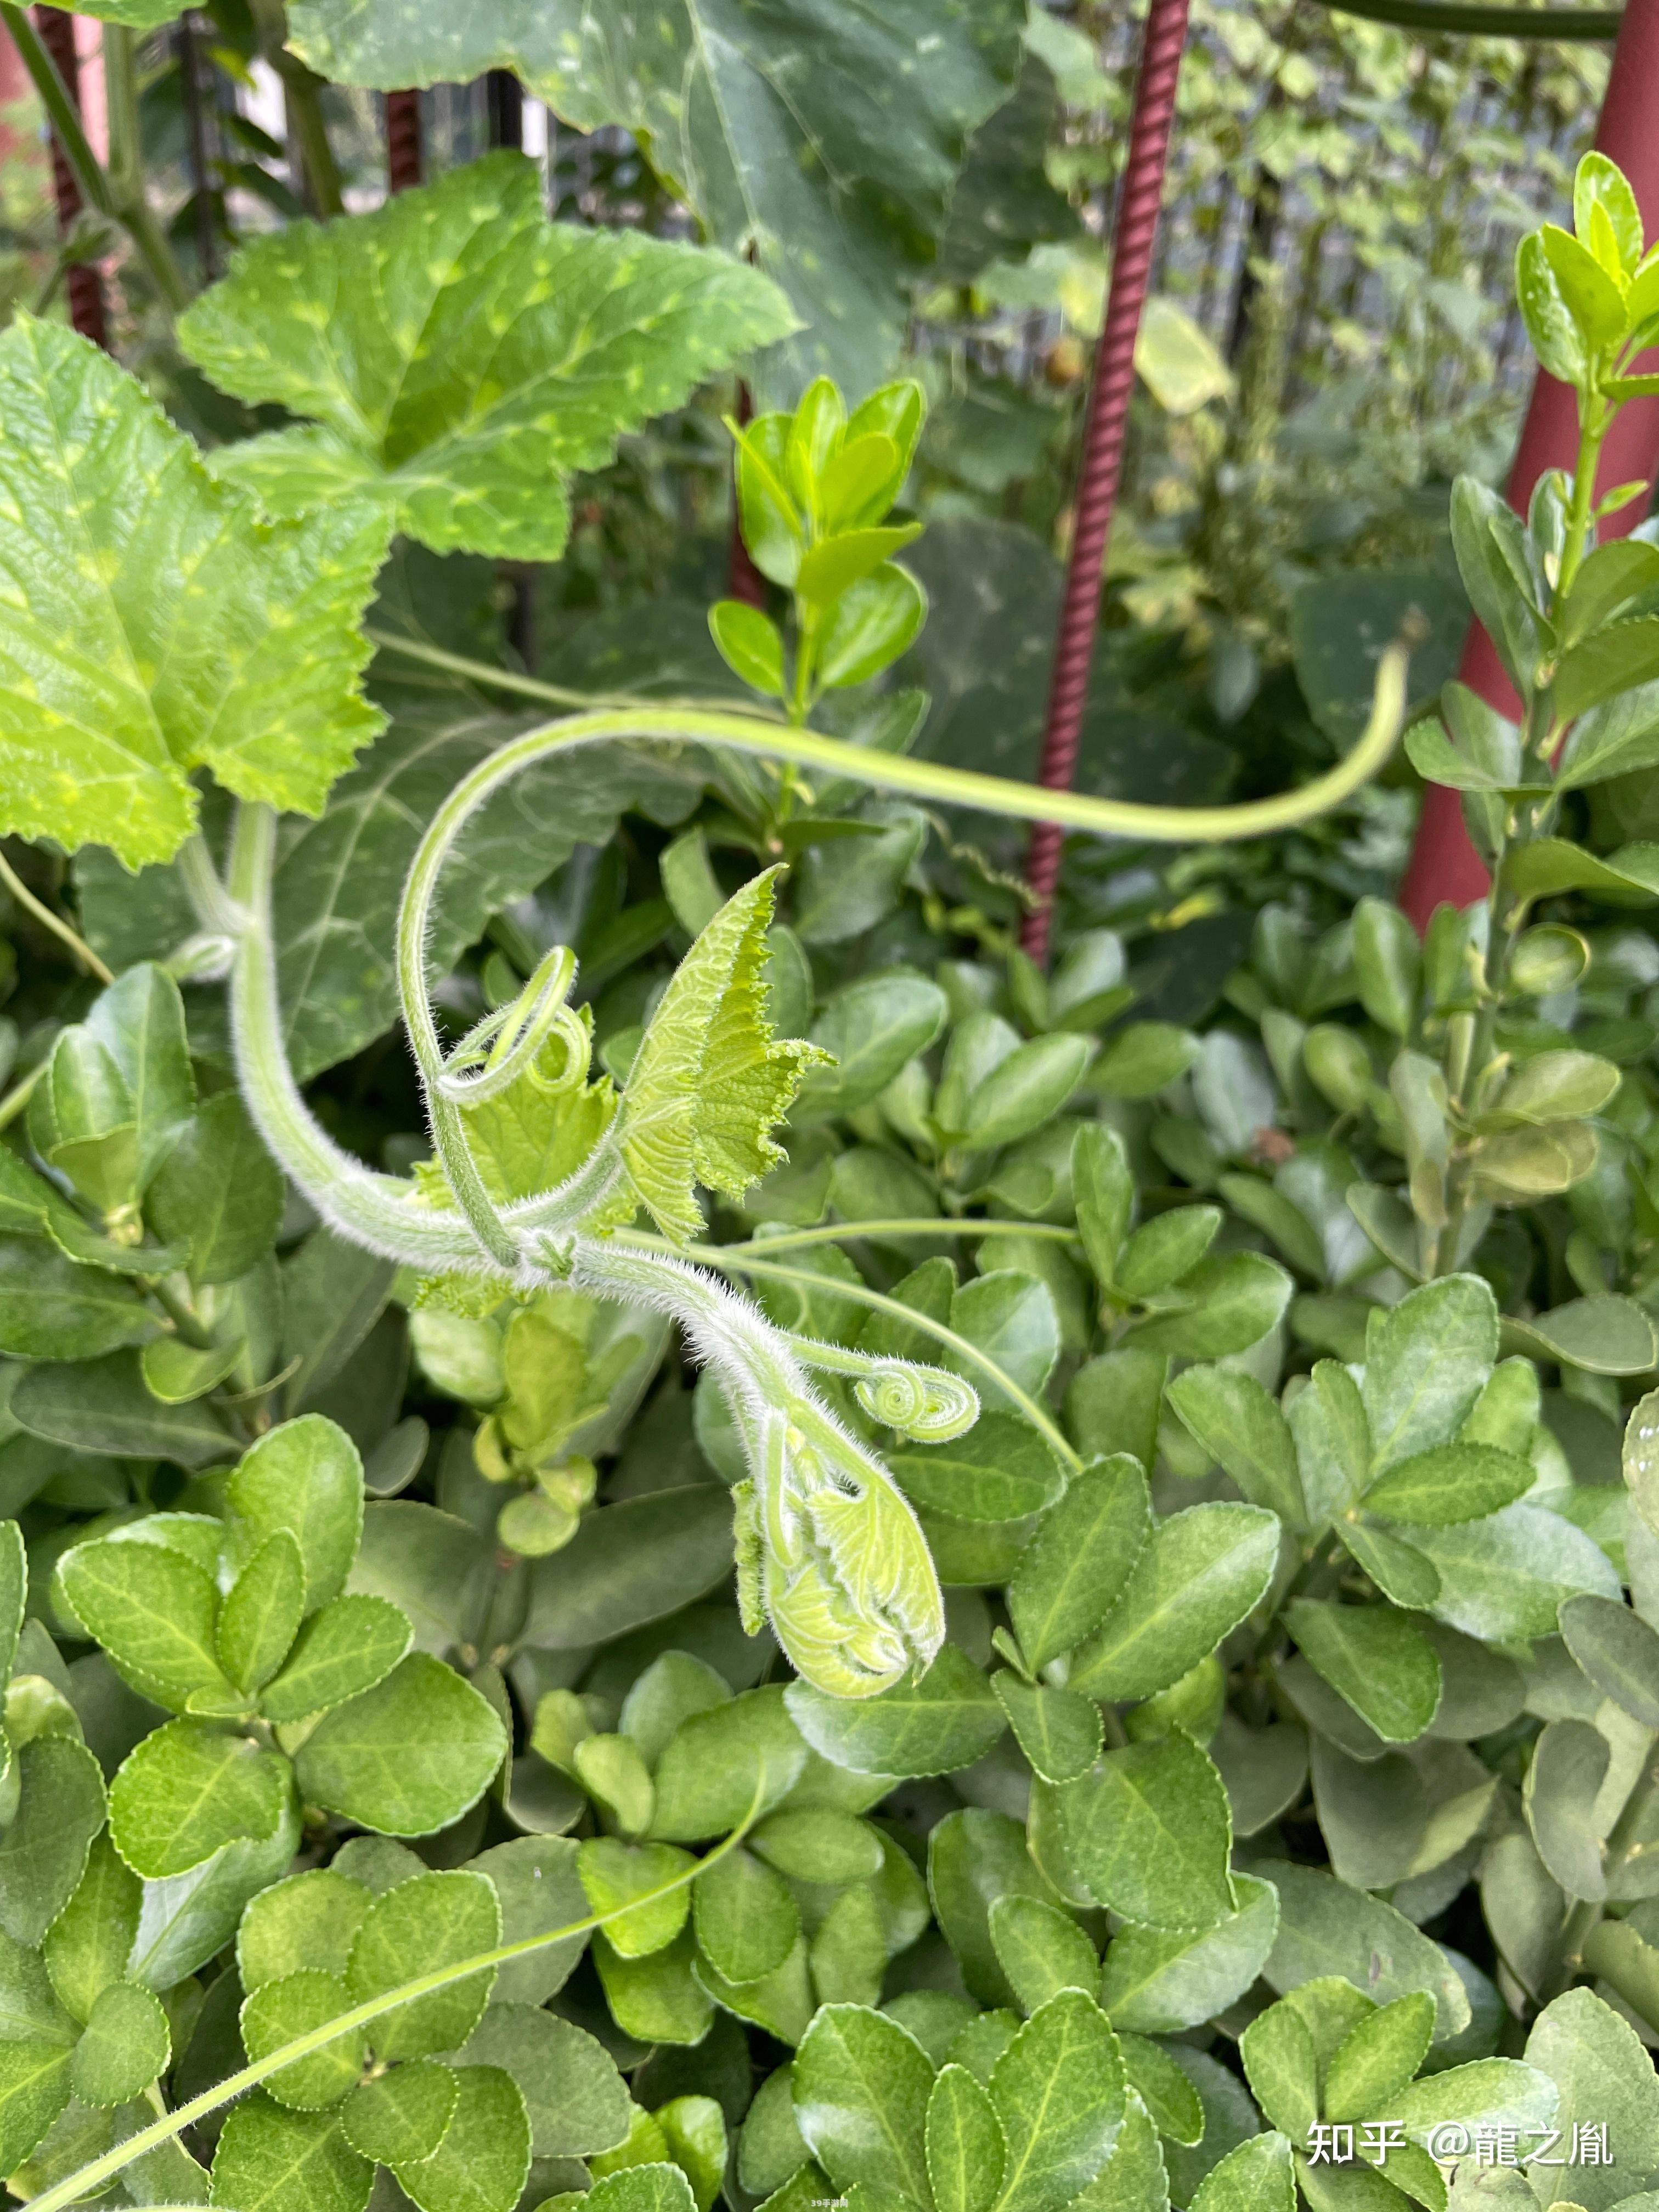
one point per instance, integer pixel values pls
(1176, 1733)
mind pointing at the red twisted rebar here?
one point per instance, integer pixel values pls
(403, 140)
(83, 283)
(1110, 389)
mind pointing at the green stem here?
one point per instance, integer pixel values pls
(495, 679)
(303, 90)
(842, 1232)
(62, 112)
(126, 164)
(1469, 1058)
(1592, 430)
(91, 2178)
(54, 922)
(118, 191)
(18, 1096)
(752, 731)
(739, 1260)
(187, 1327)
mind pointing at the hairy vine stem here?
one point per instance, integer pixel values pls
(830, 1548)
(754, 731)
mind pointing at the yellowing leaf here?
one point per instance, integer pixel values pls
(150, 624)
(710, 1081)
(1178, 361)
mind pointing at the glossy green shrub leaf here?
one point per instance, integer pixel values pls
(349, 1645)
(218, 1193)
(947, 1718)
(967, 2151)
(481, 2164)
(430, 1920)
(407, 1757)
(1426, 1362)
(1379, 1660)
(1617, 1650)
(1040, 1949)
(259, 1615)
(89, 1944)
(1076, 1565)
(1504, 1579)
(400, 2118)
(305, 1477)
(1281, 2065)
(154, 1611)
(747, 1922)
(1150, 1834)
(191, 1787)
(268, 2158)
(1000, 1470)
(1241, 1427)
(1158, 1981)
(1447, 1484)
(1057, 1730)
(279, 2011)
(1594, 2059)
(861, 2087)
(1058, 2091)
(1200, 1574)
(126, 2046)
(870, 1030)
(614, 1874)
(1327, 1927)
(727, 1762)
(1257, 2176)
(1224, 1306)
(311, 1920)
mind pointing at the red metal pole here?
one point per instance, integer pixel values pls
(1444, 864)
(403, 140)
(1105, 422)
(82, 283)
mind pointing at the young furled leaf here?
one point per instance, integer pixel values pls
(846, 1579)
(710, 1081)
(153, 623)
(475, 355)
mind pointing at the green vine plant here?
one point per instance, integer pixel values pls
(225, 636)
(830, 1550)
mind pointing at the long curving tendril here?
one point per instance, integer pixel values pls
(844, 1572)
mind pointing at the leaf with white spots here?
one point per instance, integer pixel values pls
(456, 355)
(825, 142)
(150, 623)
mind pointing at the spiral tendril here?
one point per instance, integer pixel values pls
(926, 1404)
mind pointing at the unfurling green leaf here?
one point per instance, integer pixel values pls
(710, 1082)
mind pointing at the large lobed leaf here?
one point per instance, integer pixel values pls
(826, 141)
(150, 623)
(457, 354)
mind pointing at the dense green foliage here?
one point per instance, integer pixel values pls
(819, 1564)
